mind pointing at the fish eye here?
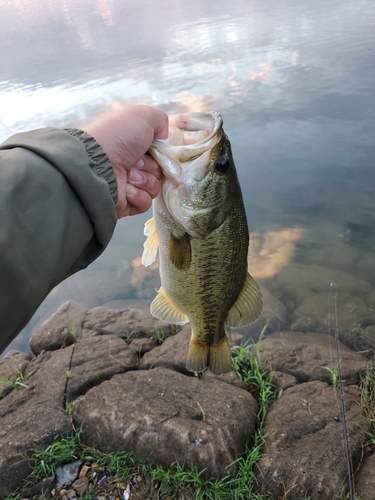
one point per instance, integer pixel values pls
(222, 165)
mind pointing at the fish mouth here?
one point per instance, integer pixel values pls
(190, 136)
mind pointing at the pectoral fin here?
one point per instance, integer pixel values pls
(151, 245)
(248, 306)
(162, 307)
(180, 251)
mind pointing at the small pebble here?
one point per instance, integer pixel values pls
(81, 485)
(83, 472)
(71, 494)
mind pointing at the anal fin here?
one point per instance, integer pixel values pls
(248, 305)
(162, 307)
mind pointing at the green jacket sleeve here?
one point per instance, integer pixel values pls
(57, 214)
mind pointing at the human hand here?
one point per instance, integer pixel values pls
(126, 136)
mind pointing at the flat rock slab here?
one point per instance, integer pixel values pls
(72, 322)
(365, 480)
(304, 452)
(306, 356)
(31, 417)
(164, 416)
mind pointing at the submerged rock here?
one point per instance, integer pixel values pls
(310, 356)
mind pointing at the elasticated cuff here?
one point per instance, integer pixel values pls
(99, 160)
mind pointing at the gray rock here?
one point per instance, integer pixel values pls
(297, 281)
(96, 359)
(32, 417)
(166, 417)
(304, 454)
(313, 312)
(365, 479)
(307, 356)
(63, 328)
(42, 487)
(126, 323)
(66, 474)
(12, 368)
(283, 381)
(173, 352)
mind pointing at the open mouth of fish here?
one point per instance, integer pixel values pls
(186, 152)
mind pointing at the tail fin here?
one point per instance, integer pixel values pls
(197, 359)
(217, 357)
(220, 357)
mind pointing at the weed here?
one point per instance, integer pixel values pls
(367, 387)
(19, 382)
(334, 374)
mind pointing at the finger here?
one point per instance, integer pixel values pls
(144, 181)
(138, 201)
(156, 118)
(148, 164)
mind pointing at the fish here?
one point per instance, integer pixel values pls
(199, 228)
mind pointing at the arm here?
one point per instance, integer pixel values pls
(60, 197)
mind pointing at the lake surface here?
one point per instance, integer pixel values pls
(294, 82)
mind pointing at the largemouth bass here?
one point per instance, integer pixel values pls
(199, 226)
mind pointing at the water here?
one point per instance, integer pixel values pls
(294, 82)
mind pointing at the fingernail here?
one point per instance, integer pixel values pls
(140, 163)
(131, 190)
(135, 175)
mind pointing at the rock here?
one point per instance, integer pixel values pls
(42, 488)
(141, 346)
(283, 381)
(365, 479)
(12, 367)
(81, 485)
(296, 281)
(173, 352)
(313, 312)
(166, 417)
(306, 356)
(303, 454)
(66, 474)
(63, 328)
(370, 299)
(32, 416)
(96, 359)
(126, 323)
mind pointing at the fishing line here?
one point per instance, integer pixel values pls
(332, 316)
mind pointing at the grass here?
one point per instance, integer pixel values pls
(18, 382)
(176, 479)
(367, 386)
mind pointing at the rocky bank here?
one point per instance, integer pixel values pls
(103, 369)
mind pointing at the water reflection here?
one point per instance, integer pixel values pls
(270, 252)
(293, 80)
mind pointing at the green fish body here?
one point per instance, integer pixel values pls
(199, 227)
